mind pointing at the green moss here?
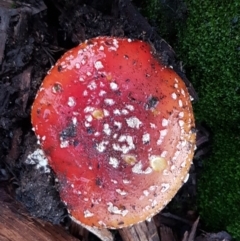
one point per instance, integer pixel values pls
(219, 186)
(153, 11)
(164, 16)
(209, 45)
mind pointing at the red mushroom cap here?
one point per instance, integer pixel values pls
(117, 128)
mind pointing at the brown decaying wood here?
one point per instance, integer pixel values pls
(17, 225)
(145, 231)
(166, 234)
(78, 231)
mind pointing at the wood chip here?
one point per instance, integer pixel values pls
(145, 231)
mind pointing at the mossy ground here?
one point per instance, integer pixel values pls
(208, 43)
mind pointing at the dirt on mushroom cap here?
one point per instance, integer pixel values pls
(116, 126)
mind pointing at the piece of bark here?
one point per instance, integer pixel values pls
(5, 16)
(166, 234)
(17, 225)
(14, 152)
(16, 44)
(145, 231)
(78, 231)
(25, 79)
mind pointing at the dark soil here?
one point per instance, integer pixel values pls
(34, 34)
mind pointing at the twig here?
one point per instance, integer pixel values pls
(190, 236)
(193, 230)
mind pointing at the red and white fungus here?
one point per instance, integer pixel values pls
(117, 129)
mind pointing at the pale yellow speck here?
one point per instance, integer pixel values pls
(98, 114)
(129, 159)
(155, 112)
(158, 163)
(109, 77)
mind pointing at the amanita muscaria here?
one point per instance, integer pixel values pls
(118, 130)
